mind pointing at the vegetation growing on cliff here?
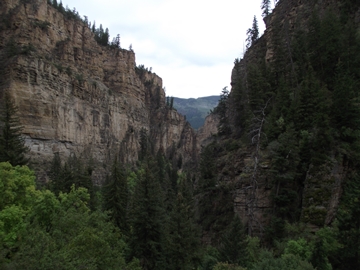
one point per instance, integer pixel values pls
(101, 35)
(303, 101)
(12, 145)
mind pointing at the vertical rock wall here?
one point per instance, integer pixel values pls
(75, 96)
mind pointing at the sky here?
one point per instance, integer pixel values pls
(190, 44)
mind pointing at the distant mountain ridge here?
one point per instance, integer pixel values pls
(196, 109)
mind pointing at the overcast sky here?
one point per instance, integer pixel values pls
(190, 44)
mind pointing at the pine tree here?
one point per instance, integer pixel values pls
(171, 102)
(116, 41)
(233, 244)
(148, 219)
(214, 199)
(265, 6)
(221, 110)
(144, 144)
(239, 105)
(319, 257)
(348, 217)
(258, 87)
(55, 175)
(183, 239)
(74, 172)
(115, 196)
(61, 7)
(252, 33)
(106, 36)
(12, 145)
(206, 186)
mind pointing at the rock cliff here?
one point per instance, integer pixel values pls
(75, 96)
(205, 133)
(248, 167)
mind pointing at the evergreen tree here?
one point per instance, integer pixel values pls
(148, 219)
(115, 196)
(319, 257)
(266, 6)
(183, 239)
(324, 45)
(74, 172)
(171, 102)
(240, 105)
(258, 88)
(101, 36)
(221, 110)
(55, 175)
(82, 177)
(206, 186)
(12, 145)
(348, 217)
(345, 109)
(55, 3)
(106, 36)
(144, 144)
(215, 199)
(61, 7)
(116, 41)
(67, 177)
(285, 159)
(233, 243)
(252, 33)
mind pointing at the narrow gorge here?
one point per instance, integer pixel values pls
(75, 96)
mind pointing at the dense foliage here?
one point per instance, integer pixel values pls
(299, 112)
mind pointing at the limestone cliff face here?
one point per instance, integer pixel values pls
(75, 96)
(205, 133)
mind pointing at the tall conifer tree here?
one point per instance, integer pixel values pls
(148, 219)
(116, 196)
(183, 238)
(233, 244)
(252, 33)
(266, 6)
(55, 175)
(12, 145)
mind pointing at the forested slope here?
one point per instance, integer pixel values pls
(287, 151)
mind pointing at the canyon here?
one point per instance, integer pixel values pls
(77, 97)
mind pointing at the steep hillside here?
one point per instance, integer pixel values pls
(75, 96)
(196, 109)
(289, 144)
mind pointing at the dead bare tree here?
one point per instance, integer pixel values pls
(256, 133)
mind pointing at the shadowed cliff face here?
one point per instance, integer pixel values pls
(75, 96)
(249, 168)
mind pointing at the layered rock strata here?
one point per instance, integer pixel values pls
(75, 96)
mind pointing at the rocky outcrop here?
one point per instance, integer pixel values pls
(75, 96)
(209, 129)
